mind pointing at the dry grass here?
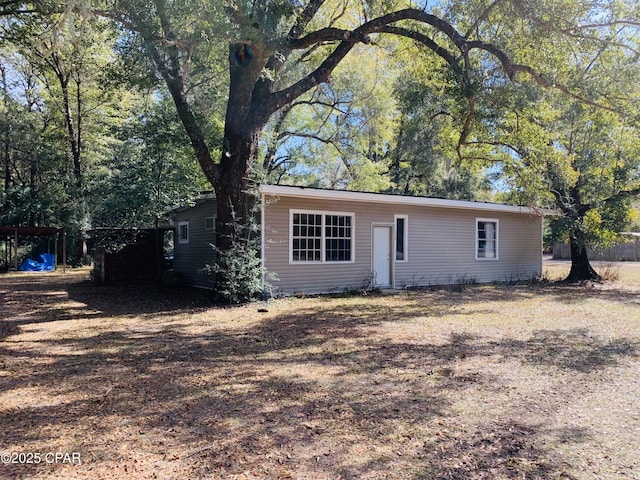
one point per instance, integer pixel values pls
(492, 382)
(621, 274)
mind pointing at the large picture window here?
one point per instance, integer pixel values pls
(321, 237)
(486, 239)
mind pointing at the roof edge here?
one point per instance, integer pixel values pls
(347, 195)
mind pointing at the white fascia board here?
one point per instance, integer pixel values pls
(345, 195)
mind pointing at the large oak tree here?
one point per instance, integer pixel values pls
(276, 51)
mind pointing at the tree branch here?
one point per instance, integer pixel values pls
(623, 194)
(512, 69)
(498, 144)
(175, 84)
(483, 17)
(329, 34)
(310, 136)
(318, 76)
(305, 18)
(360, 34)
(466, 127)
(277, 60)
(16, 7)
(425, 41)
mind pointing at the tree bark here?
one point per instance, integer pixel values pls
(581, 269)
(7, 131)
(232, 187)
(72, 133)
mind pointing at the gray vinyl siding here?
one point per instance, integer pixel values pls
(314, 278)
(441, 246)
(190, 259)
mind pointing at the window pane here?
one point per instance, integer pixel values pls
(400, 239)
(183, 232)
(487, 239)
(312, 232)
(306, 238)
(337, 238)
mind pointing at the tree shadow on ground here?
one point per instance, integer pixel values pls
(574, 350)
(90, 300)
(559, 291)
(313, 392)
(575, 294)
(7, 329)
(500, 450)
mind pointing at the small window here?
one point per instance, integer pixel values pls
(486, 239)
(401, 238)
(183, 232)
(209, 223)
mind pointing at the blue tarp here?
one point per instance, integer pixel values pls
(45, 262)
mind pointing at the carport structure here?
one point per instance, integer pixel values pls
(12, 237)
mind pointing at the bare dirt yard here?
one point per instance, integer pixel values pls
(482, 382)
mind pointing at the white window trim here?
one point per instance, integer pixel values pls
(322, 261)
(405, 238)
(180, 225)
(497, 245)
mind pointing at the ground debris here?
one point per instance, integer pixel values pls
(496, 383)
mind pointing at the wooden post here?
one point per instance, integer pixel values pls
(55, 253)
(64, 251)
(15, 246)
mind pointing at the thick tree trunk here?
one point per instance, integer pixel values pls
(581, 269)
(248, 111)
(231, 189)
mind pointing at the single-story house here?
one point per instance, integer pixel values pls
(319, 241)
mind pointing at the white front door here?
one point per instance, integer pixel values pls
(381, 256)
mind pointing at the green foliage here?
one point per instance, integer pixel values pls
(152, 169)
(431, 115)
(134, 158)
(434, 107)
(240, 272)
(240, 275)
(582, 160)
(341, 133)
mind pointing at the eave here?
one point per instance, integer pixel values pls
(349, 196)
